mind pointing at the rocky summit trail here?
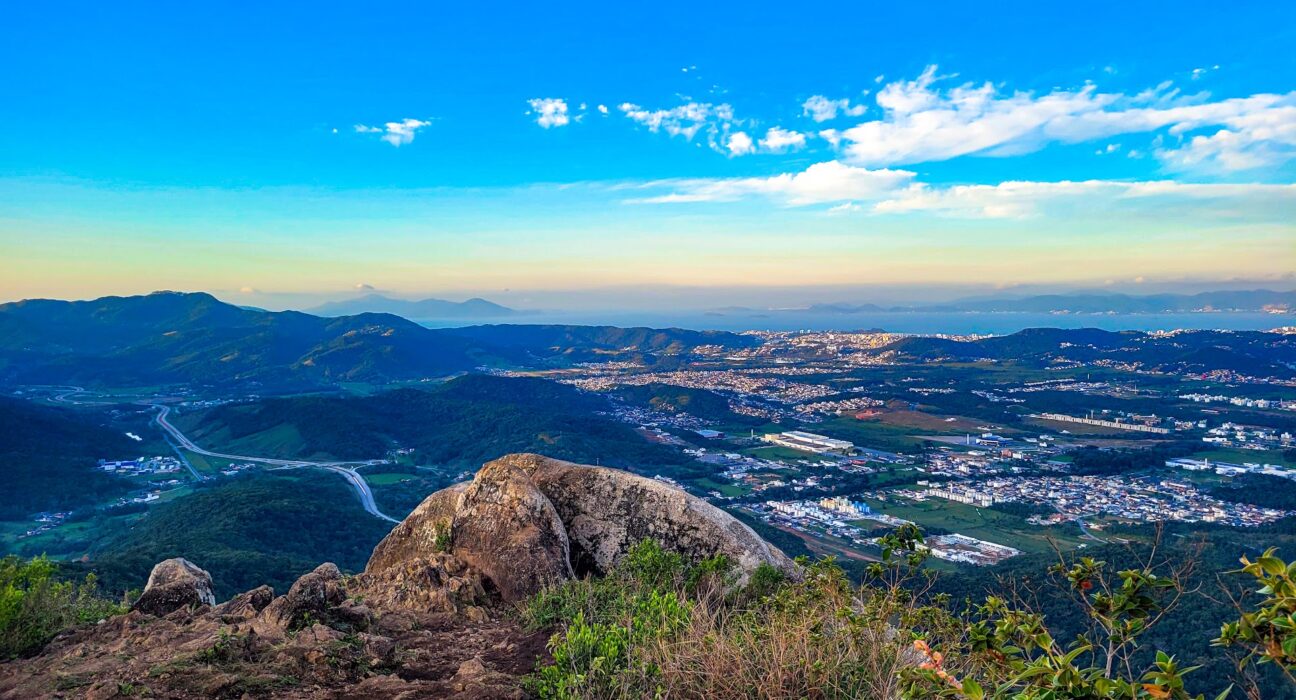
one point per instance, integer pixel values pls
(432, 616)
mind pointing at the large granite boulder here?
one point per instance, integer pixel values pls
(525, 521)
(174, 584)
(608, 511)
(508, 530)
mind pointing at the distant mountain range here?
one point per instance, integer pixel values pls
(1258, 300)
(171, 337)
(415, 310)
(1253, 353)
(1099, 302)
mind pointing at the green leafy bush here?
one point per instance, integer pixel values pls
(660, 626)
(34, 606)
(1267, 633)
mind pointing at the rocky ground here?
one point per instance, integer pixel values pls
(434, 615)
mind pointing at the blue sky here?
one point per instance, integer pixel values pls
(305, 150)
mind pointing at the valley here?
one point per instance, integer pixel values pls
(1005, 450)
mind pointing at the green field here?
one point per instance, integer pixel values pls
(204, 464)
(873, 434)
(725, 489)
(982, 523)
(387, 478)
(67, 541)
(1237, 456)
(780, 454)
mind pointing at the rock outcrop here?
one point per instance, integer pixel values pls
(424, 619)
(329, 636)
(527, 521)
(174, 584)
(508, 530)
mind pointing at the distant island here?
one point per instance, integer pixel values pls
(414, 309)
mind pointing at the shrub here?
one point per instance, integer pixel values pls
(1267, 633)
(659, 626)
(34, 606)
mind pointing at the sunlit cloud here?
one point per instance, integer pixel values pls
(924, 122)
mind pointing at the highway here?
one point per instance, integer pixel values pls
(345, 469)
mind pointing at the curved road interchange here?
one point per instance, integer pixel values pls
(345, 469)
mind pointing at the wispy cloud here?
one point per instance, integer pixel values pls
(684, 120)
(820, 183)
(923, 122)
(892, 191)
(396, 133)
(822, 109)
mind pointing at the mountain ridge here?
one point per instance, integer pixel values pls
(418, 309)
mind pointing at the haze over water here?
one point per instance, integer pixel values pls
(921, 322)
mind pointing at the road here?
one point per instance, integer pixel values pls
(345, 469)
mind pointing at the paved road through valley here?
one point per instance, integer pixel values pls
(345, 469)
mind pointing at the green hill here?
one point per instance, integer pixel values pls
(668, 398)
(48, 457)
(263, 529)
(168, 337)
(465, 421)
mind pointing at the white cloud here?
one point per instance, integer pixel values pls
(1199, 73)
(685, 120)
(921, 122)
(549, 111)
(820, 183)
(822, 109)
(396, 133)
(602, 109)
(778, 140)
(890, 191)
(1252, 139)
(1022, 199)
(740, 144)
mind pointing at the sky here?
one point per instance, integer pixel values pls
(593, 155)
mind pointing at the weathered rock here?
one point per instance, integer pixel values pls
(425, 531)
(503, 524)
(438, 583)
(507, 529)
(608, 511)
(246, 605)
(174, 584)
(308, 601)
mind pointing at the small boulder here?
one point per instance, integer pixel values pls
(309, 600)
(174, 584)
(245, 605)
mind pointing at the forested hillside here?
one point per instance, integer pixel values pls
(262, 529)
(465, 421)
(48, 457)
